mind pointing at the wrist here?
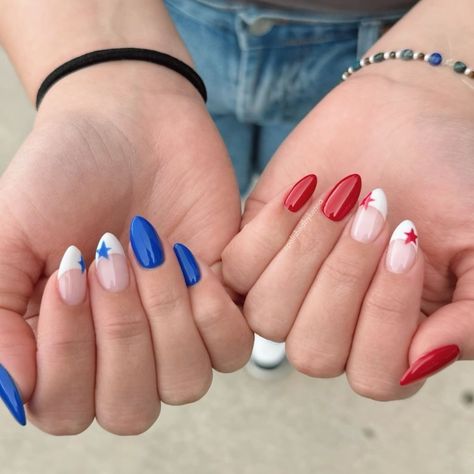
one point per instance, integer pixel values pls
(78, 27)
(432, 25)
(119, 88)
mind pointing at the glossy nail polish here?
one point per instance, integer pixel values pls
(402, 248)
(72, 276)
(342, 198)
(111, 263)
(300, 193)
(430, 363)
(146, 244)
(188, 264)
(370, 217)
(10, 395)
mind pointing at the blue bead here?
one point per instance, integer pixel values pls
(146, 244)
(435, 59)
(188, 264)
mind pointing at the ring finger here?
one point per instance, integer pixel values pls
(320, 339)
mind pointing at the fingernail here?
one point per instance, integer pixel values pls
(72, 276)
(402, 249)
(146, 244)
(188, 264)
(342, 198)
(111, 263)
(370, 217)
(10, 395)
(430, 363)
(300, 193)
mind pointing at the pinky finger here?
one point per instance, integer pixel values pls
(223, 328)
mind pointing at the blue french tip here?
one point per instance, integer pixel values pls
(146, 244)
(188, 264)
(10, 395)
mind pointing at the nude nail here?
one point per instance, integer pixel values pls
(111, 264)
(402, 249)
(72, 276)
(370, 217)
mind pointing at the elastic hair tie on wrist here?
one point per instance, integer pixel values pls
(116, 54)
(434, 59)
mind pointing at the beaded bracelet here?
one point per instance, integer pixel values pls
(435, 59)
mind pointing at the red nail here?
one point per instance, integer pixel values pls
(430, 363)
(342, 198)
(300, 193)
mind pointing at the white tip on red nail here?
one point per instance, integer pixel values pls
(377, 199)
(406, 231)
(108, 244)
(72, 260)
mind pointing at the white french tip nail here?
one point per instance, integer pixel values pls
(376, 199)
(407, 232)
(108, 244)
(72, 259)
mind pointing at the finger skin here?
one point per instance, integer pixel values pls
(273, 302)
(184, 371)
(261, 238)
(319, 342)
(389, 318)
(222, 326)
(127, 401)
(63, 400)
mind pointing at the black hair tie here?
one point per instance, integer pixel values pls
(106, 55)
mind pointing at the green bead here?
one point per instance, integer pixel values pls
(378, 58)
(356, 66)
(407, 54)
(459, 66)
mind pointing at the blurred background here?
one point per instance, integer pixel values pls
(290, 424)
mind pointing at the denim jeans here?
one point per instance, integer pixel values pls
(265, 68)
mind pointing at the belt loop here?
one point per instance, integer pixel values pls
(369, 33)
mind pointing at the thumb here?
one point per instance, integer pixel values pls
(446, 335)
(19, 269)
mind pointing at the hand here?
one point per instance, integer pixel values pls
(415, 141)
(101, 152)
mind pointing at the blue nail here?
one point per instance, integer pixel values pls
(11, 396)
(146, 244)
(188, 264)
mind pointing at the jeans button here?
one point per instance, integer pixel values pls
(260, 26)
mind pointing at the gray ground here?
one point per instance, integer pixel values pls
(291, 425)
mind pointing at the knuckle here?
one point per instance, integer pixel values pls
(384, 306)
(64, 426)
(67, 348)
(126, 326)
(374, 388)
(127, 423)
(304, 241)
(162, 302)
(187, 393)
(343, 273)
(210, 312)
(314, 362)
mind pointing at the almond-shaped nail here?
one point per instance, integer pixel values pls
(72, 276)
(342, 198)
(430, 363)
(10, 395)
(300, 193)
(370, 217)
(111, 264)
(402, 248)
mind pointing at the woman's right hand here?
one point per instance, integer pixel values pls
(102, 151)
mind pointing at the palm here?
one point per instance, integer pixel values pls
(415, 145)
(80, 176)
